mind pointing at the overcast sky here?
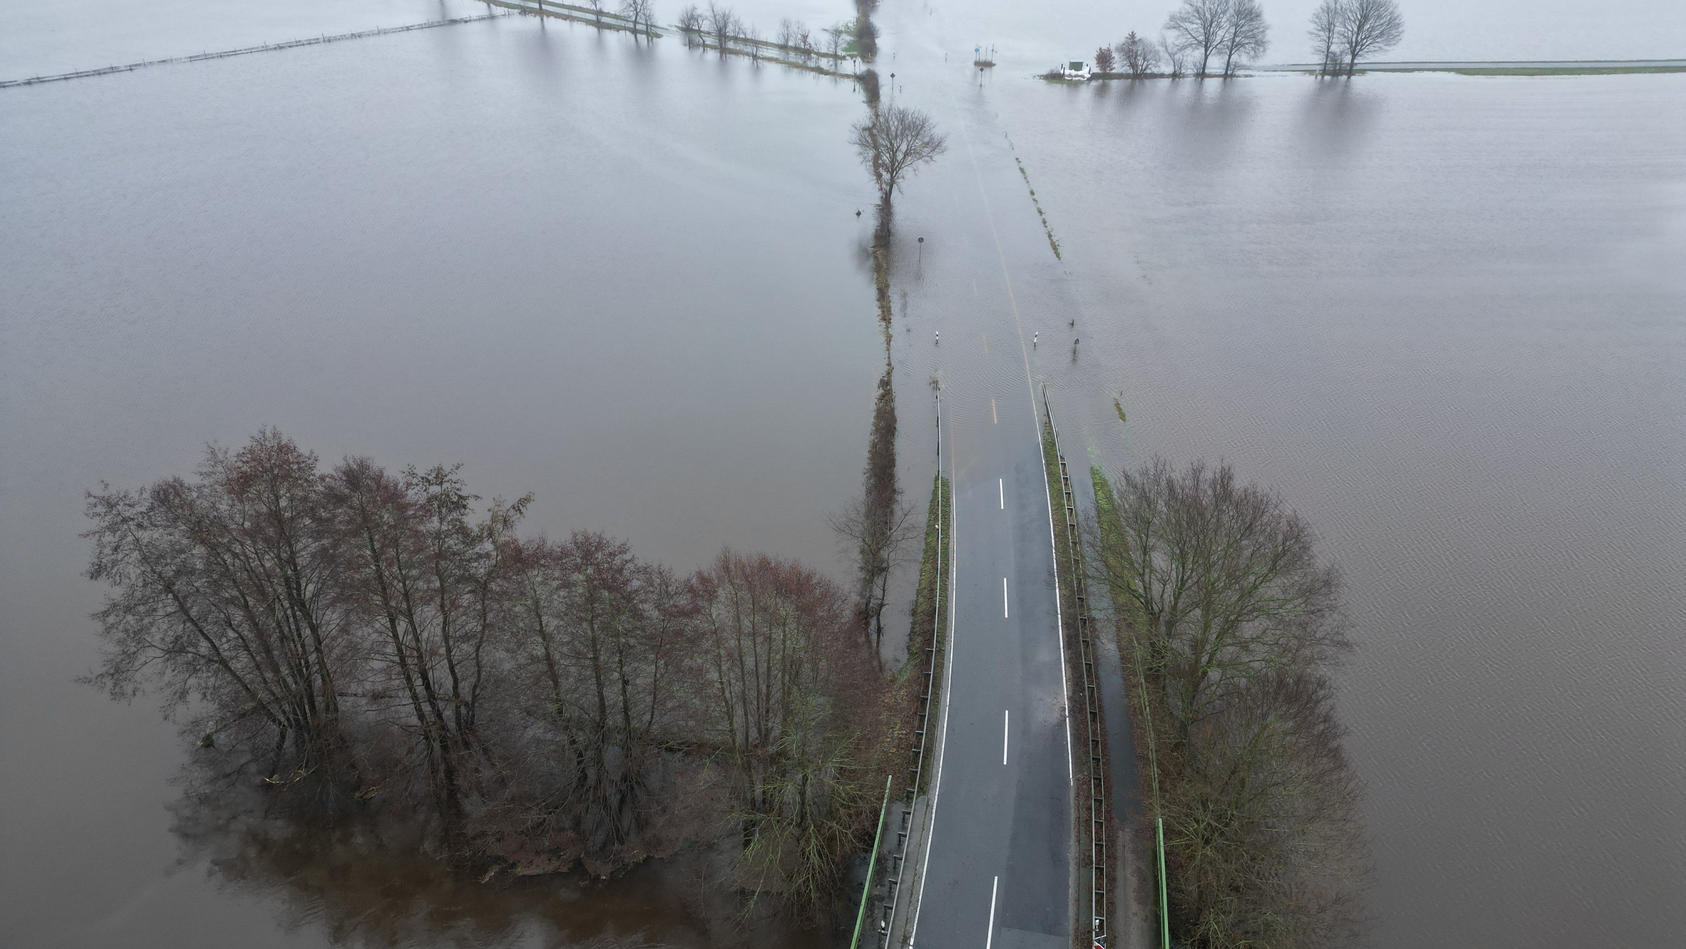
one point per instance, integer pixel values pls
(1473, 29)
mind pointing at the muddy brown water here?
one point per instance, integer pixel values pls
(1446, 318)
(627, 280)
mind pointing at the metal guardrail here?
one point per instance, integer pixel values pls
(871, 865)
(916, 771)
(1091, 700)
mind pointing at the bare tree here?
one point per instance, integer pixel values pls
(639, 12)
(1175, 62)
(1150, 58)
(597, 641)
(223, 595)
(894, 143)
(796, 715)
(691, 24)
(1261, 821)
(1226, 581)
(1103, 59)
(878, 536)
(597, 9)
(1139, 56)
(610, 616)
(1369, 27)
(1246, 37)
(724, 24)
(420, 575)
(1325, 35)
(1198, 29)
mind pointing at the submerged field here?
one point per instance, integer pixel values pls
(624, 278)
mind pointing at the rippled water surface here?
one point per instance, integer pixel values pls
(1446, 318)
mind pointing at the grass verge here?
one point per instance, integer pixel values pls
(924, 646)
(1546, 70)
(1052, 242)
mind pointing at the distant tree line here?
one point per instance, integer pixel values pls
(1229, 624)
(370, 643)
(1201, 37)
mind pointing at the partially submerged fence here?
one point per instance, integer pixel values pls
(603, 19)
(1091, 699)
(262, 48)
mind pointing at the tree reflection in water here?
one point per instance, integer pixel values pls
(368, 887)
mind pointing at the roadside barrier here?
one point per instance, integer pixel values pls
(1091, 700)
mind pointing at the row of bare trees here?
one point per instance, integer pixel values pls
(720, 23)
(358, 639)
(1231, 623)
(722, 28)
(636, 12)
(1197, 34)
(797, 37)
(1201, 33)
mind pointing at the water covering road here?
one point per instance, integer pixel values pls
(1000, 864)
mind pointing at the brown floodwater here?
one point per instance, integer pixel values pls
(625, 279)
(1446, 318)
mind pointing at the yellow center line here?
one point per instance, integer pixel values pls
(992, 416)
